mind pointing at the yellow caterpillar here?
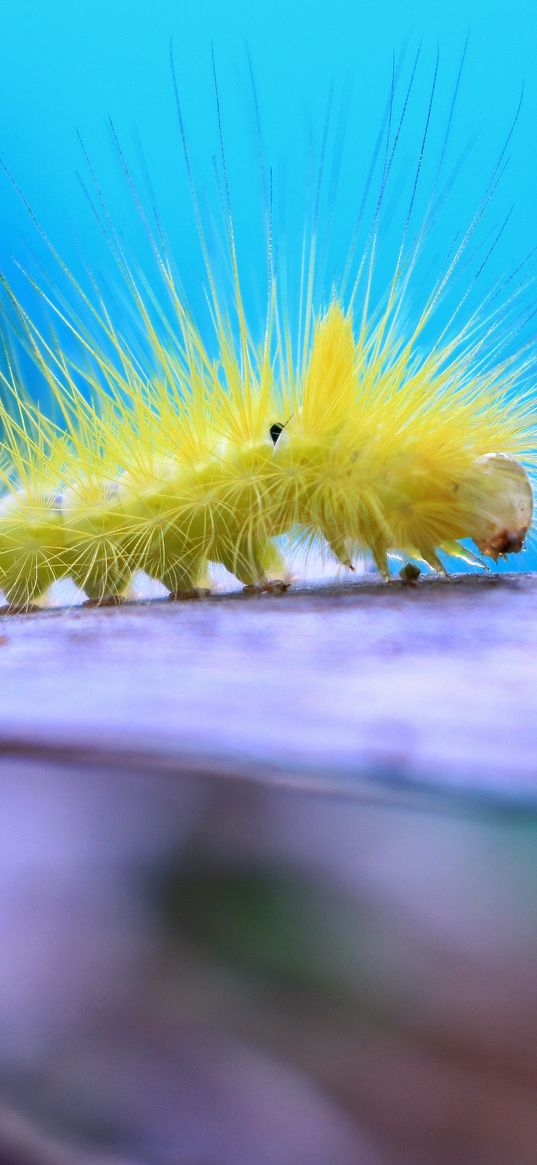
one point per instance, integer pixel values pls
(362, 437)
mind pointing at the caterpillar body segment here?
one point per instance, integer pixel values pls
(93, 554)
(193, 494)
(217, 510)
(31, 545)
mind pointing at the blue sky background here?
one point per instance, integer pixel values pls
(66, 66)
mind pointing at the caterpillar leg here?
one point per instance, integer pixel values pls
(189, 594)
(457, 551)
(93, 529)
(20, 608)
(173, 556)
(24, 595)
(186, 581)
(257, 564)
(339, 549)
(275, 581)
(269, 586)
(105, 585)
(100, 571)
(380, 558)
(431, 559)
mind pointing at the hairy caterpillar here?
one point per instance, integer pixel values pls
(358, 433)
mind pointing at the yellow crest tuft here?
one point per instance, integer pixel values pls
(329, 389)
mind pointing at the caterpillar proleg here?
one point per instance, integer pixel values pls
(349, 422)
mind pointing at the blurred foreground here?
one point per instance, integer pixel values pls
(201, 971)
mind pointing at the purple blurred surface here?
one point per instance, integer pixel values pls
(372, 689)
(268, 889)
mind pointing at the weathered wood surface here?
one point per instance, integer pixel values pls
(374, 690)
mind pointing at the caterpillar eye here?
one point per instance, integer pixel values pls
(275, 431)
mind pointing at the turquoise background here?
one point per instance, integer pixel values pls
(66, 67)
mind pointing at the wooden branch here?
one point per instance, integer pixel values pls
(387, 692)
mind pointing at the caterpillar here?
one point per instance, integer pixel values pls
(356, 432)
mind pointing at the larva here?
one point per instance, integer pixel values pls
(361, 435)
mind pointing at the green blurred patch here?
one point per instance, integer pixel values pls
(267, 924)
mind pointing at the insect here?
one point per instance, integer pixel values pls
(360, 433)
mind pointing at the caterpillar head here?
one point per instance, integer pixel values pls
(499, 498)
